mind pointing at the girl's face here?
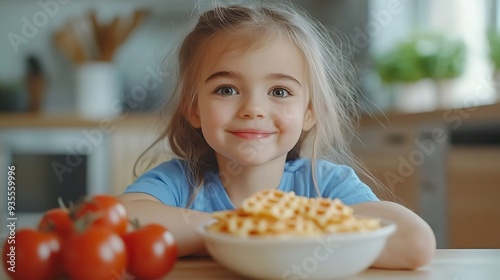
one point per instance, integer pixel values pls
(252, 104)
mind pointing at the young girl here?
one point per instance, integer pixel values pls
(254, 84)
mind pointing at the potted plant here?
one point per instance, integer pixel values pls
(426, 58)
(494, 55)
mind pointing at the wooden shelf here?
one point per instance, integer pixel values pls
(26, 120)
(468, 114)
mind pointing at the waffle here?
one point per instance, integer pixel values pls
(352, 224)
(273, 203)
(325, 210)
(237, 222)
(277, 213)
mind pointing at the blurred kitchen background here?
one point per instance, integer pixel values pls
(81, 83)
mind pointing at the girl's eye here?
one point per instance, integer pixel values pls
(280, 92)
(226, 91)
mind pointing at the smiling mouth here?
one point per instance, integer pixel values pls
(251, 135)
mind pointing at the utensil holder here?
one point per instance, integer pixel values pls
(98, 91)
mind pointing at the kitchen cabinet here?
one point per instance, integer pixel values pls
(474, 197)
(383, 155)
(444, 165)
(408, 163)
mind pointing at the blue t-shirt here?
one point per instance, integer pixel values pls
(168, 182)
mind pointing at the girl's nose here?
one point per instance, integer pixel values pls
(252, 107)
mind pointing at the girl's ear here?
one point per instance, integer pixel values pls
(194, 118)
(309, 119)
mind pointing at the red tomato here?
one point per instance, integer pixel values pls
(97, 253)
(58, 221)
(33, 254)
(108, 210)
(152, 251)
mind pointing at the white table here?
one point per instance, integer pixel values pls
(466, 264)
(455, 264)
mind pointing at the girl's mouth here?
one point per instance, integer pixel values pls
(251, 134)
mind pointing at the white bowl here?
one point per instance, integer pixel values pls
(326, 257)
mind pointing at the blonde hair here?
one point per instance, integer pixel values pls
(331, 80)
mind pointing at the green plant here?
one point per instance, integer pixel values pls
(494, 46)
(432, 56)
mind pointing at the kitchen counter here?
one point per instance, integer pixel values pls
(466, 264)
(446, 265)
(450, 116)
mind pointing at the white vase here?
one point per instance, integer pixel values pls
(415, 97)
(496, 84)
(444, 93)
(98, 91)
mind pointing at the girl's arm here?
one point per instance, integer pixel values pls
(181, 222)
(412, 245)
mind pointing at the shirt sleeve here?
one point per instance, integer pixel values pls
(340, 181)
(166, 182)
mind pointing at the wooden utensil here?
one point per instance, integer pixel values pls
(91, 40)
(66, 40)
(110, 36)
